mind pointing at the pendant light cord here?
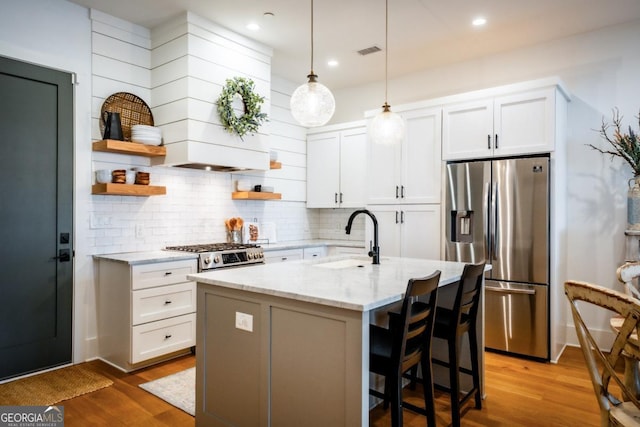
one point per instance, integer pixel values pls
(386, 49)
(312, 37)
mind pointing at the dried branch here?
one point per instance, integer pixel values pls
(626, 146)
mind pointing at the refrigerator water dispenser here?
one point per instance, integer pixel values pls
(462, 226)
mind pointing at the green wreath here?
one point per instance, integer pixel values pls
(252, 118)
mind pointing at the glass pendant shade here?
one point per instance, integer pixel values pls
(387, 128)
(312, 104)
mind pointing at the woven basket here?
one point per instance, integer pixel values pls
(132, 109)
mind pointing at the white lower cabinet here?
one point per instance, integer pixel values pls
(411, 231)
(146, 312)
(283, 255)
(314, 252)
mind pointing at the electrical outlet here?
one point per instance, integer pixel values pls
(244, 321)
(139, 230)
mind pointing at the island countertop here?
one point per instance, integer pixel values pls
(350, 282)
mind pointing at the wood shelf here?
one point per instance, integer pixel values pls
(128, 190)
(134, 148)
(275, 165)
(255, 195)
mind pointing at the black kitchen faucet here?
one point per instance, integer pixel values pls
(374, 251)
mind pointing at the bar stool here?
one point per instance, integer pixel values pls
(451, 325)
(405, 344)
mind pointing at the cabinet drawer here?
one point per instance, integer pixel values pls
(164, 336)
(283, 255)
(163, 302)
(316, 252)
(161, 273)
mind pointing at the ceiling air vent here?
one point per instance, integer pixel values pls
(369, 50)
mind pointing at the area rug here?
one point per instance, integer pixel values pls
(178, 389)
(52, 387)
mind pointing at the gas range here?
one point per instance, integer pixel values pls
(220, 255)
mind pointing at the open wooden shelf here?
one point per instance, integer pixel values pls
(275, 165)
(128, 190)
(135, 148)
(255, 195)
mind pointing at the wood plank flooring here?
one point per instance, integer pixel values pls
(519, 393)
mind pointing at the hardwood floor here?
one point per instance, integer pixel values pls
(519, 393)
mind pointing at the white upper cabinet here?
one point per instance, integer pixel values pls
(336, 168)
(408, 173)
(411, 231)
(521, 123)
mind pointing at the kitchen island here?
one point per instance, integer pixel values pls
(287, 344)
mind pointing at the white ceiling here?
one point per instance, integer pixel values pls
(422, 33)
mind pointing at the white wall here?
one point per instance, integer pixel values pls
(601, 70)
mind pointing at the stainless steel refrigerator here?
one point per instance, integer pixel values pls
(498, 211)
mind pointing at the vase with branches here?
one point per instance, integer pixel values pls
(626, 146)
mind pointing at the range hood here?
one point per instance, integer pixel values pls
(216, 157)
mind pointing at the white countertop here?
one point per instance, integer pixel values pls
(147, 257)
(362, 288)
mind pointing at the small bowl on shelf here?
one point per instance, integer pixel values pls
(103, 176)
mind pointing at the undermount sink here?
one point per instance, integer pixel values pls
(345, 263)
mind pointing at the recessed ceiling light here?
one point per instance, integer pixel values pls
(253, 26)
(479, 21)
(333, 63)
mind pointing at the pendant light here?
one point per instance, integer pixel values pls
(387, 128)
(312, 104)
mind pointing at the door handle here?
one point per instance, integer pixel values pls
(510, 291)
(496, 141)
(64, 255)
(401, 217)
(335, 198)
(396, 217)
(340, 197)
(488, 142)
(485, 223)
(495, 208)
(402, 191)
(397, 191)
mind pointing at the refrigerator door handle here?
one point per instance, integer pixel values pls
(494, 228)
(485, 224)
(510, 291)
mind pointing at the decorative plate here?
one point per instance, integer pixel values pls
(132, 109)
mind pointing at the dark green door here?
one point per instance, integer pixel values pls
(36, 222)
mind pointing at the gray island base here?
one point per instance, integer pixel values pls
(287, 344)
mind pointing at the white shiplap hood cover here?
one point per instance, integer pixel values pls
(191, 60)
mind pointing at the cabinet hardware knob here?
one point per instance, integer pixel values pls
(167, 302)
(167, 336)
(168, 273)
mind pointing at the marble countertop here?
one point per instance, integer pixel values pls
(296, 244)
(350, 282)
(148, 257)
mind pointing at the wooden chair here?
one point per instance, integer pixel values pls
(405, 344)
(624, 408)
(451, 325)
(628, 274)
